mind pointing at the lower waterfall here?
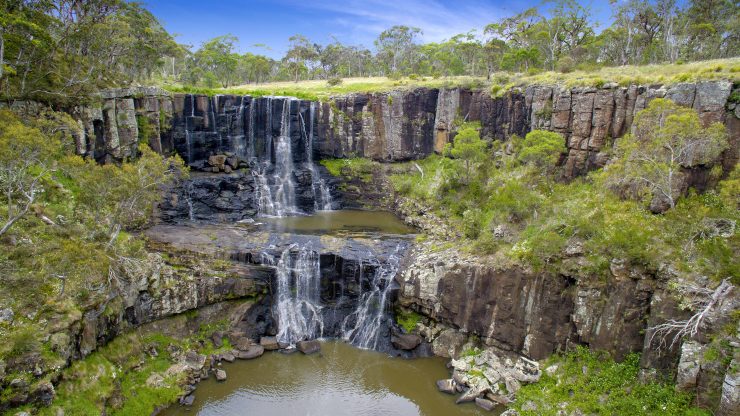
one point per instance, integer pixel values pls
(302, 314)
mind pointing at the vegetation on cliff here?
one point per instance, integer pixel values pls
(515, 208)
(592, 383)
(65, 238)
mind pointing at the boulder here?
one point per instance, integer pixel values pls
(242, 343)
(309, 347)
(484, 404)
(217, 161)
(405, 341)
(187, 400)
(446, 386)
(252, 352)
(233, 162)
(470, 395)
(228, 357)
(269, 343)
(220, 375)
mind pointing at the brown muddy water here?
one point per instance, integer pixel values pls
(340, 380)
(333, 222)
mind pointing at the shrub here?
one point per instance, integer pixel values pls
(333, 82)
(566, 64)
(542, 149)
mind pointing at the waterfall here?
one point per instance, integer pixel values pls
(284, 189)
(191, 211)
(298, 307)
(298, 304)
(282, 185)
(321, 194)
(362, 327)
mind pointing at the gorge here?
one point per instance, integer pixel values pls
(262, 234)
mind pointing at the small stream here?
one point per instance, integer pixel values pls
(340, 380)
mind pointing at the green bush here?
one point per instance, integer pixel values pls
(333, 82)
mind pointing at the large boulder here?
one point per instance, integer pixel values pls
(405, 341)
(269, 343)
(446, 386)
(253, 351)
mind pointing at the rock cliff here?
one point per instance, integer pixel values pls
(385, 126)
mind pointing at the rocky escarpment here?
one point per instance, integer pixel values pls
(164, 286)
(386, 126)
(466, 301)
(330, 286)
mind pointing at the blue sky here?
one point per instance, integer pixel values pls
(356, 22)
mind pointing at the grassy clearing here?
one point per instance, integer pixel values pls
(320, 90)
(592, 383)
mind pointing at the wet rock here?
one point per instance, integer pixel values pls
(269, 343)
(470, 395)
(497, 398)
(252, 352)
(446, 386)
(308, 347)
(220, 375)
(228, 357)
(510, 412)
(484, 404)
(405, 341)
(187, 400)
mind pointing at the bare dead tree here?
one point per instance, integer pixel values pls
(702, 300)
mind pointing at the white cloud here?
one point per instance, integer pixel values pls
(365, 19)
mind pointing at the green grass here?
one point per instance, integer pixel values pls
(320, 90)
(351, 168)
(593, 383)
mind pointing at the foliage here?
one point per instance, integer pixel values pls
(542, 149)
(514, 208)
(467, 147)
(351, 168)
(63, 51)
(593, 383)
(665, 139)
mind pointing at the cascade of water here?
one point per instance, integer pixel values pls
(250, 136)
(239, 140)
(362, 327)
(298, 305)
(284, 188)
(191, 211)
(321, 195)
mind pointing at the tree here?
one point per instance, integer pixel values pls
(468, 147)
(394, 46)
(26, 159)
(301, 56)
(122, 197)
(218, 58)
(542, 149)
(666, 139)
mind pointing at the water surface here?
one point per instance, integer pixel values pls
(341, 380)
(333, 222)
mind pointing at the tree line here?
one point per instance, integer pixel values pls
(56, 49)
(560, 35)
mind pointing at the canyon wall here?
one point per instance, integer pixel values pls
(386, 126)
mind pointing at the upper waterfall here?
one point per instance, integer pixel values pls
(269, 138)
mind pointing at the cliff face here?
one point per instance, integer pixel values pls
(386, 126)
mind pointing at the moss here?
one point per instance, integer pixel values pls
(407, 319)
